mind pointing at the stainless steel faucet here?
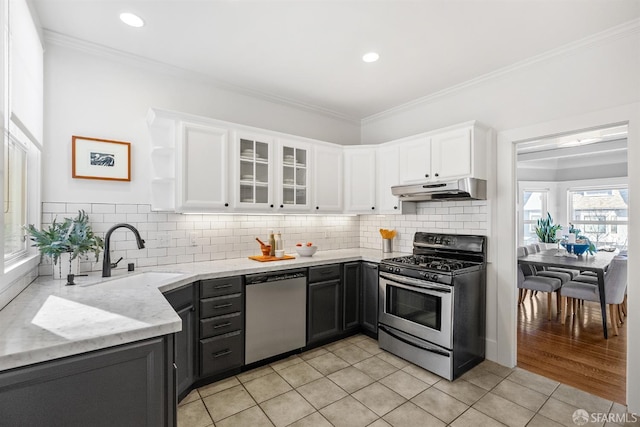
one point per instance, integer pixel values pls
(106, 261)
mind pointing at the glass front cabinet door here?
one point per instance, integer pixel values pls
(293, 175)
(254, 175)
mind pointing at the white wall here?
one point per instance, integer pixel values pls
(597, 76)
(98, 97)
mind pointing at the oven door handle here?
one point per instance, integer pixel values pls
(413, 344)
(410, 283)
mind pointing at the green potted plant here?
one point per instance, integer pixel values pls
(65, 241)
(546, 229)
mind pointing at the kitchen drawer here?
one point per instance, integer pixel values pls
(216, 287)
(210, 307)
(221, 353)
(220, 325)
(324, 273)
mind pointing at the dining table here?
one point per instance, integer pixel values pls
(597, 263)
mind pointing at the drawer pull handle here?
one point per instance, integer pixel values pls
(222, 286)
(218, 307)
(222, 325)
(324, 273)
(221, 353)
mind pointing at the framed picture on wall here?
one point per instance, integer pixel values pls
(93, 158)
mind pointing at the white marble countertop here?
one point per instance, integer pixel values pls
(49, 320)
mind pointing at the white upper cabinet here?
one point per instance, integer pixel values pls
(360, 179)
(202, 169)
(327, 178)
(293, 160)
(451, 153)
(414, 160)
(26, 71)
(206, 165)
(388, 175)
(253, 181)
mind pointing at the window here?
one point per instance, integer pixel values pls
(602, 214)
(534, 207)
(15, 199)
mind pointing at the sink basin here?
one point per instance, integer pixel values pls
(136, 278)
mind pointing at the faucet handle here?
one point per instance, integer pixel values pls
(115, 264)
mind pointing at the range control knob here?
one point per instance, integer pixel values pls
(397, 270)
(434, 277)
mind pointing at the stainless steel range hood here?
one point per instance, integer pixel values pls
(460, 189)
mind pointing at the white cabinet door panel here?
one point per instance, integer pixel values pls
(451, 153)
(203, 167)
(415, 160)
(327, 178)
(360, 179)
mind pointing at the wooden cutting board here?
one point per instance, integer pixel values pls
(266, 258)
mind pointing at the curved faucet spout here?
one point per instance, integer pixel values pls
(106, 261)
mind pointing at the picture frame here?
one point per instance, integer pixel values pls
(105, 159)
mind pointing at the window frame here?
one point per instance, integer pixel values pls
(607, 224)
(544, 209)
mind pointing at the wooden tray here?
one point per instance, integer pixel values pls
(266, 258)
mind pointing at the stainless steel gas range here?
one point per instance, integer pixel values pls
(432, 303)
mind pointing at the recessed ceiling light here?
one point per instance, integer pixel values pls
(131, 19)
(370, 57)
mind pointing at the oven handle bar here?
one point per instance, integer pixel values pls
(414, 344)
(423, 284)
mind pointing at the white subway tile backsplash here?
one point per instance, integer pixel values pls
(100, 208)
(125, 209)
(231, 236)
(54, 207)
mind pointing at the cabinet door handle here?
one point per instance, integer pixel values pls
(437, 174)
(426, 175)
(395, 207)
(222, 325)
(226, 205)
(192, 309)
(271, 206)
(221, 353)
(222, 286)
(317, 207)
(282, 206)
(218, 307)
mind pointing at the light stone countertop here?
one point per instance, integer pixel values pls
(49, 320)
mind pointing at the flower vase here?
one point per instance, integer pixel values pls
(65, 266)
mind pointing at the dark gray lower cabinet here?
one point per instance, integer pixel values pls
(183, 302)
(129, 385)
(221, 325)
(370, 297)
(324, 316)
(351, 295)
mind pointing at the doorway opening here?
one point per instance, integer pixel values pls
(580, 180)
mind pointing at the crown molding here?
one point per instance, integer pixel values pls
(620, 31)
(59, 39)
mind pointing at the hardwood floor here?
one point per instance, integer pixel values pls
(575, 353)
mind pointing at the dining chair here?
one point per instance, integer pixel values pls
(544, 271)
(533, 282)
(615, 287)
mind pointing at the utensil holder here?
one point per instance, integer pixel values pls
(387, 246)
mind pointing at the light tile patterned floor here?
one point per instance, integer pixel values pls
(353, 383)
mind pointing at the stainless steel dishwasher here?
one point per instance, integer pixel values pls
(276, 314)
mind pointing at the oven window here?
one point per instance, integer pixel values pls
(415, 307)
